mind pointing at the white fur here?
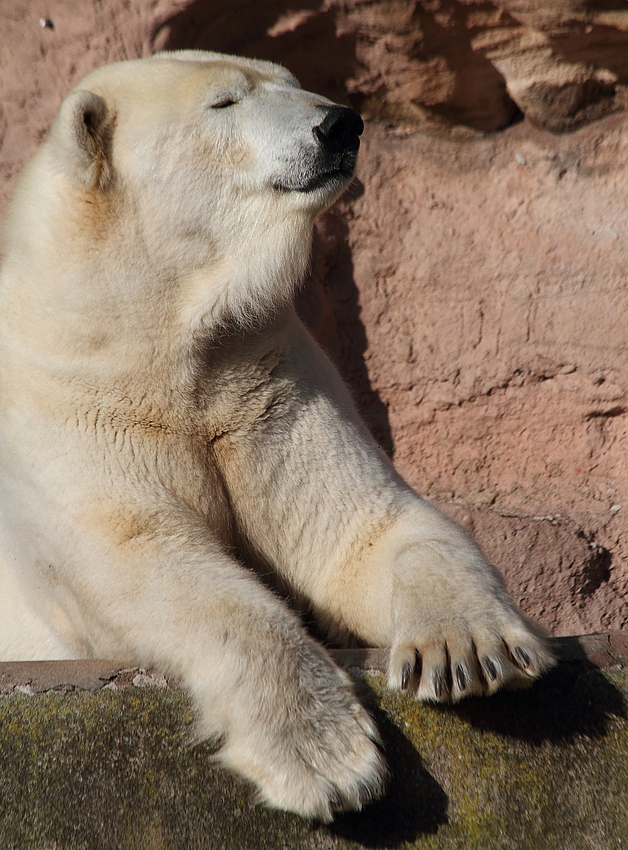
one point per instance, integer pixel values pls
(170, 433)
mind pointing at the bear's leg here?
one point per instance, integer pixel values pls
(286, 714)
(323, 506)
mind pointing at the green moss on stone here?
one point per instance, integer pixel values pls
(547, 768)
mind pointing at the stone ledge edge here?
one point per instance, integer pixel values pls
(606, 650)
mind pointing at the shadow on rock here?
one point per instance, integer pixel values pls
(575, 698)
(329, 304)
(414, 802)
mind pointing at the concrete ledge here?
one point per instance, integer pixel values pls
(603, 650)
(95, 754)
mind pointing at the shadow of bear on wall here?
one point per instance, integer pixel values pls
(329, 304)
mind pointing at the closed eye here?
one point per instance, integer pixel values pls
(222, 103)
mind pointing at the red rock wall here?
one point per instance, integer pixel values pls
(471, 285)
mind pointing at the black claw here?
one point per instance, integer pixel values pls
(461, 677)
(406, 672)
(439, 682)
(405, 675)
(489, 668)
(522, 657)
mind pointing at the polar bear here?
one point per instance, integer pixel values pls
(176, 450)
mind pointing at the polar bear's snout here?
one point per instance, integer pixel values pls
(329, 163)
(340, 130)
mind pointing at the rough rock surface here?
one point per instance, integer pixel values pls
(98, 757)
(470, 286)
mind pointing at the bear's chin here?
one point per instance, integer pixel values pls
(328, 183)
(326, 177)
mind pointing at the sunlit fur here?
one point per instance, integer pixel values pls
(172, 439)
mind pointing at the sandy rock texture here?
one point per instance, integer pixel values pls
(471, 284)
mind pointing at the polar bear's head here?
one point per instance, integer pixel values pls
(237, 125)
(195, 165)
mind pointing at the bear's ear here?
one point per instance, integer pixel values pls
(83, 134)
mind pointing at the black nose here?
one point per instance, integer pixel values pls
(339, 130)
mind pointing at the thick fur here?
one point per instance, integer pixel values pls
(170, 432)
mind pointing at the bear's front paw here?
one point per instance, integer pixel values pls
(461, 658)
(310, 748)
(460, 635)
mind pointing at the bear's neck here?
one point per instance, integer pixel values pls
(107, 316)
(242, 288)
